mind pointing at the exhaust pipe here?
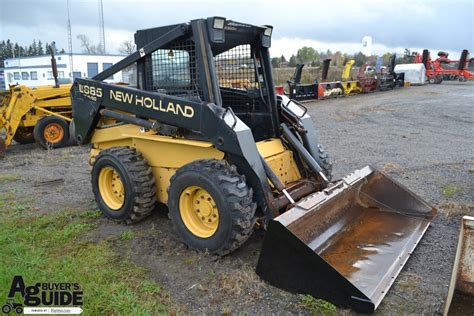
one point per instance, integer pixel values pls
(347, 243)
(54, 66)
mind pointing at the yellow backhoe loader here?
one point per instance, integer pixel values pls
(40, 114)
(228, 158)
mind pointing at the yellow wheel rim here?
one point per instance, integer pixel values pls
(111, 188)
(198, 211)
(53, 133)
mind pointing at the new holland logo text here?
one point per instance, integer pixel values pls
(152, 103)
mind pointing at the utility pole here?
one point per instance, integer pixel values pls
(69, 39)
(101, 27)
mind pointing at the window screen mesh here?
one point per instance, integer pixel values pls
(235, 68)
(173, 71)
(237, 79)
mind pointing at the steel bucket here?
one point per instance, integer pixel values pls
(347, 243)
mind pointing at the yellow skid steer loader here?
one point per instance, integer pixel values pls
(224, 157)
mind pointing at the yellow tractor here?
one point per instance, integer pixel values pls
(229, 158)
(40, 114)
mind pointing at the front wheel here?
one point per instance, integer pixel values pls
(24, 135)
(211, 206)
(123, 184)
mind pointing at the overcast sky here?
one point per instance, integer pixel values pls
(335, 25)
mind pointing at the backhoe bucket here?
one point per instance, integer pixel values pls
(347, 243)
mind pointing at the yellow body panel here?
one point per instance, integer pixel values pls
(166, 154)
(351, 87)
(23, 106)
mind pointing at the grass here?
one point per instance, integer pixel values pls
(50, 248)
(317, 306)
(450, 190)
(9, 177)
(126, 235)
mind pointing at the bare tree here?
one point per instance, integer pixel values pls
(127, 47)
(88, 46)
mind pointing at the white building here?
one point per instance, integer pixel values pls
(367, 45)
(36, 70)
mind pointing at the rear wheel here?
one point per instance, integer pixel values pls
(51, 132)
(24, 135)
(123, 184)
(211, 206)
(6, 309)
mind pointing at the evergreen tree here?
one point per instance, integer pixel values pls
(40, 48)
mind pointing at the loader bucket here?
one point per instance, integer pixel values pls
(347, 243)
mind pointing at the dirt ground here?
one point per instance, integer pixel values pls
(422, 136)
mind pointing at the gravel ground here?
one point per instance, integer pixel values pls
(422, 136)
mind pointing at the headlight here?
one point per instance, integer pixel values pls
(218, 23)
(268, 31)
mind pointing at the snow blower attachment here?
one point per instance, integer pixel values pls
(223, 155)
(329, 88)
(347, 243)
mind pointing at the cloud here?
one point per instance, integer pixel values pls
(436, 24)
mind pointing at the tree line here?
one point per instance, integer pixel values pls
(312, 57)
(10, 49)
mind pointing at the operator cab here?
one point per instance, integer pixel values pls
(220, 61)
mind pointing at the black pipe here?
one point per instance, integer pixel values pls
(277, 183)
(54, 66)
(290, 137)
(129, 119)
(326, 64)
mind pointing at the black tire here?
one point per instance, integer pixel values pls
(19, 309)
(6, 309)
(233, 199)
(325, 161)
(45, 123)
(72, 134)
(137, 180)
(24, 135)
(438, 79)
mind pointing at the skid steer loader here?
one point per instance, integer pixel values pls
(228, 159)
(40, 114)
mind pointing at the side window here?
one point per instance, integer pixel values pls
(61, 74)
(170, 71)
(92, 69)
(170, 67)
(25, 75)
(50, 75)
(16, 76)
(106, 66)
(34, 75)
